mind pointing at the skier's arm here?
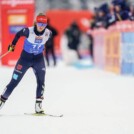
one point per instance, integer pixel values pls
(50, 36)
(23, 32)
(54, 31)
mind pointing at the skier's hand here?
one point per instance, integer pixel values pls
(11, 48)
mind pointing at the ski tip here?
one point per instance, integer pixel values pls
(54, 115)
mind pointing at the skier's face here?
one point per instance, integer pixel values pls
(41, 26)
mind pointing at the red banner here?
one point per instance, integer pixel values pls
(61, 20)
(14, 17)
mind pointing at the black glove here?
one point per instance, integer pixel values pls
(11, 48)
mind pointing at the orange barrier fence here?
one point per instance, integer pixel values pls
(117, 45)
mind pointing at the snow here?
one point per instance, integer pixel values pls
(92, 102)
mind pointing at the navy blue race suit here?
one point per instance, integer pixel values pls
(31, 56)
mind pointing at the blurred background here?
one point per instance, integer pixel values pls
(99, 31)
(88, 58)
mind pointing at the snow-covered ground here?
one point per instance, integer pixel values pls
(91, 100)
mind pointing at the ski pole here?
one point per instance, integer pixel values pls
(4, 54)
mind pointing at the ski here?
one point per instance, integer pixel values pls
(43, 114)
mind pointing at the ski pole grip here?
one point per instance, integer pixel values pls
(11, 48)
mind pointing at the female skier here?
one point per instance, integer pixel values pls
(31, 56)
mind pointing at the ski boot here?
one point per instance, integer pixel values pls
(38, 106)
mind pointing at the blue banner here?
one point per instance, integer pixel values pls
(127, 53)
(13, 29)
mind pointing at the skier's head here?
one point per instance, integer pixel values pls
(41, 22)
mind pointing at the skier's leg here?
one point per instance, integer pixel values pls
(19, 71)
(39, 70)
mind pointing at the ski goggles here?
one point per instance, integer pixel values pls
(41, 24)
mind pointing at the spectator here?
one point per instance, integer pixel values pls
(120, 13)
(73, 35)
(49, 49)
(91, 45)
(90, 36)
(101, 18)
(131, 13)
(111, 18)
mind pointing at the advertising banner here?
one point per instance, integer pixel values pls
(127, 60)
(112, 51)
(99, 42)
(117, 44)
(14, 16)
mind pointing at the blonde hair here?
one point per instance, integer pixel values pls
(41, 14)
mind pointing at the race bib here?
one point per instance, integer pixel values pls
(38, 39)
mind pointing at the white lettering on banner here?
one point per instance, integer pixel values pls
(16, 2)
(17, 19)
(17, 11)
